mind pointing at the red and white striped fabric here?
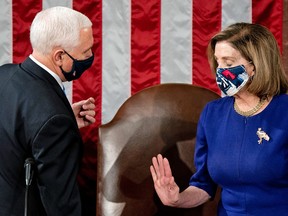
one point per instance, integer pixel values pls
(138, 43)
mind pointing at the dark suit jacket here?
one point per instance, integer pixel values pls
(36, 120)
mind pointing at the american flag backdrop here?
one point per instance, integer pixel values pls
(138, 43)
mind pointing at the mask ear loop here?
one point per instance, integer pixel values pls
(69, 55)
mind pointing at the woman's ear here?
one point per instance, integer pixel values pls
(252, 70)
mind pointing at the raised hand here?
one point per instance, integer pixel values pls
(165, 186)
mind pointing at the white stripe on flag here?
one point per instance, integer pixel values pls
(236, 11)
(116, 80)
(176, 41)
(6, 32)
(66, 3)
(52, 3)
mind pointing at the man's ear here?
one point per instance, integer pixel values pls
(58, 56)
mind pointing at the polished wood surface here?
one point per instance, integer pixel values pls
(159, 119)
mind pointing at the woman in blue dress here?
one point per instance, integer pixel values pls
(242, 139)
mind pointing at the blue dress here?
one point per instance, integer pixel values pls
(253, 175)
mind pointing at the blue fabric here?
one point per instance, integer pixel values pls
(253, 177)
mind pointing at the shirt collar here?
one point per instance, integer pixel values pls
(56, 77)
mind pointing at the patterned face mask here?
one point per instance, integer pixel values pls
(231, 80)
(78, 68)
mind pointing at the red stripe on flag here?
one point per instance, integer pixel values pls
(22, 19)
(206, 22)
(145, 44)
(270, 14)
(90, 84)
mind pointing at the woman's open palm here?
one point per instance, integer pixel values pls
(165, 186)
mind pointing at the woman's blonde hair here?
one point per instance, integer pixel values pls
(257, 45)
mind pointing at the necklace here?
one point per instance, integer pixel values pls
(249, 112)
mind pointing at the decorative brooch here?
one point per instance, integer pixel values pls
(262, 135)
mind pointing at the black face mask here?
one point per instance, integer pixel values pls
(78, 67)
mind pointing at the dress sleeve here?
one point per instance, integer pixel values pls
(201, 178)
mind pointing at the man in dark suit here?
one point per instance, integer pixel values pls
(37, 121)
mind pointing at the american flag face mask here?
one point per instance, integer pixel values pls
(231, 80)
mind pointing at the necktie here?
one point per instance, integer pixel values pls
(63, 88)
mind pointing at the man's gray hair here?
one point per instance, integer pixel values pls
(57, 26)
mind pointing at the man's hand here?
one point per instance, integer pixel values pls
(84, 112)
